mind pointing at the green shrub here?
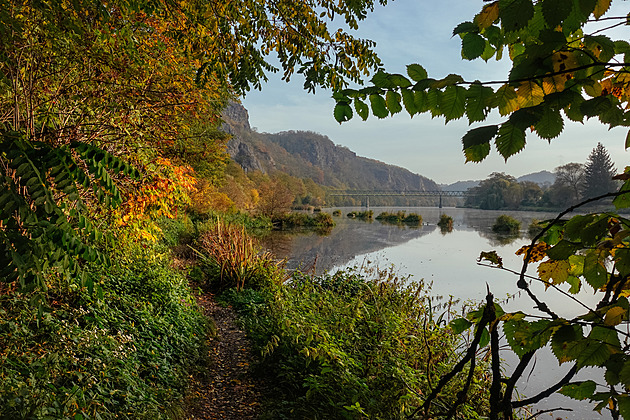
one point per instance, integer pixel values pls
(400, 217)
(292, 220)
(445, 223)
(506, 225)
(344, 346)
(336, 213)
(127, 353)
(363, 215)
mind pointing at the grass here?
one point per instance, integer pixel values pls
(352, 345)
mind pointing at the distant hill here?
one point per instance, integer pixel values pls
(460, 185)
(306, 154)
(542, 178)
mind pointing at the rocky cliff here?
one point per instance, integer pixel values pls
(307, 154)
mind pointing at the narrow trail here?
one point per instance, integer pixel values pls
(228, 391)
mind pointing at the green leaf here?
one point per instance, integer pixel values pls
(379, 108)
(550, 125)
(420, 101)
(479, 136)
(556, 11)
(465, 27)
(515, 14)
(562, 250)
(399, 80)
(564, 340)
(595, 272)
(433, 102)
(596, 106)
(579, 390)
(524, 336)
(485, 338)
(600, 46)
(451, 79)
(416, 72)
(623, 402)
(342, 112)
(594, 353)
(477, 153)
(473, 46)
(510, 140)
(460, 325)
(526, 117)
(382, 80)
(623, 200)
(622, 261)
(477, 102)
(453, 102)
(392, 101)
(361, 108)
(408, 97)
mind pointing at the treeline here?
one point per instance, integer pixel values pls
(574, 182)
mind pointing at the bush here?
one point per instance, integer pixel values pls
(344, 346)
(363, 215)
(506, 225)
(232, 258)
(336, 213)
(400, 217)
(125, 351)
(292, 220)
(445, 223)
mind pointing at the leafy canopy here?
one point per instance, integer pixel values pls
(559, 71)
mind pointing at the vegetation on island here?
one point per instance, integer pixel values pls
(400, 217)
(506, 225)
(362, 215)
(445, 223)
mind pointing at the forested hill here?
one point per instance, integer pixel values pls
(306, 154)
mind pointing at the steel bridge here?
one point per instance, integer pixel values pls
(391, 193)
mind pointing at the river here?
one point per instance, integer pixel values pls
(448, 262)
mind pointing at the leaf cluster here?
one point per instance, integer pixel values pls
(558, 72)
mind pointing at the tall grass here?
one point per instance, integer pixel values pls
(233, 259)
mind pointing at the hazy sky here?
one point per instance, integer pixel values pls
(419, 31)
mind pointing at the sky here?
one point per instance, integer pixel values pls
(420, 31)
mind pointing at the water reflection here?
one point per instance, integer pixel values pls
(348, 239)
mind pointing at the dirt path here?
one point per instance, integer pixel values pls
(228, 391)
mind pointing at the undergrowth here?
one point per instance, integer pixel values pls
(124, 351)
(352, 346)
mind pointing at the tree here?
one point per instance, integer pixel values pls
(599, 171)
(568, 183)
(88, 88)
(559, 72)
(496, 192)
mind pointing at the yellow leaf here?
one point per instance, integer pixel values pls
(508, 100)
(554, 272)
(488, 15)
(530, 94)
(614, 316)
(601, 7)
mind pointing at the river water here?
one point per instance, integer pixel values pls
(447, 261)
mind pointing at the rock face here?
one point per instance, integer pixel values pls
(306, 154)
